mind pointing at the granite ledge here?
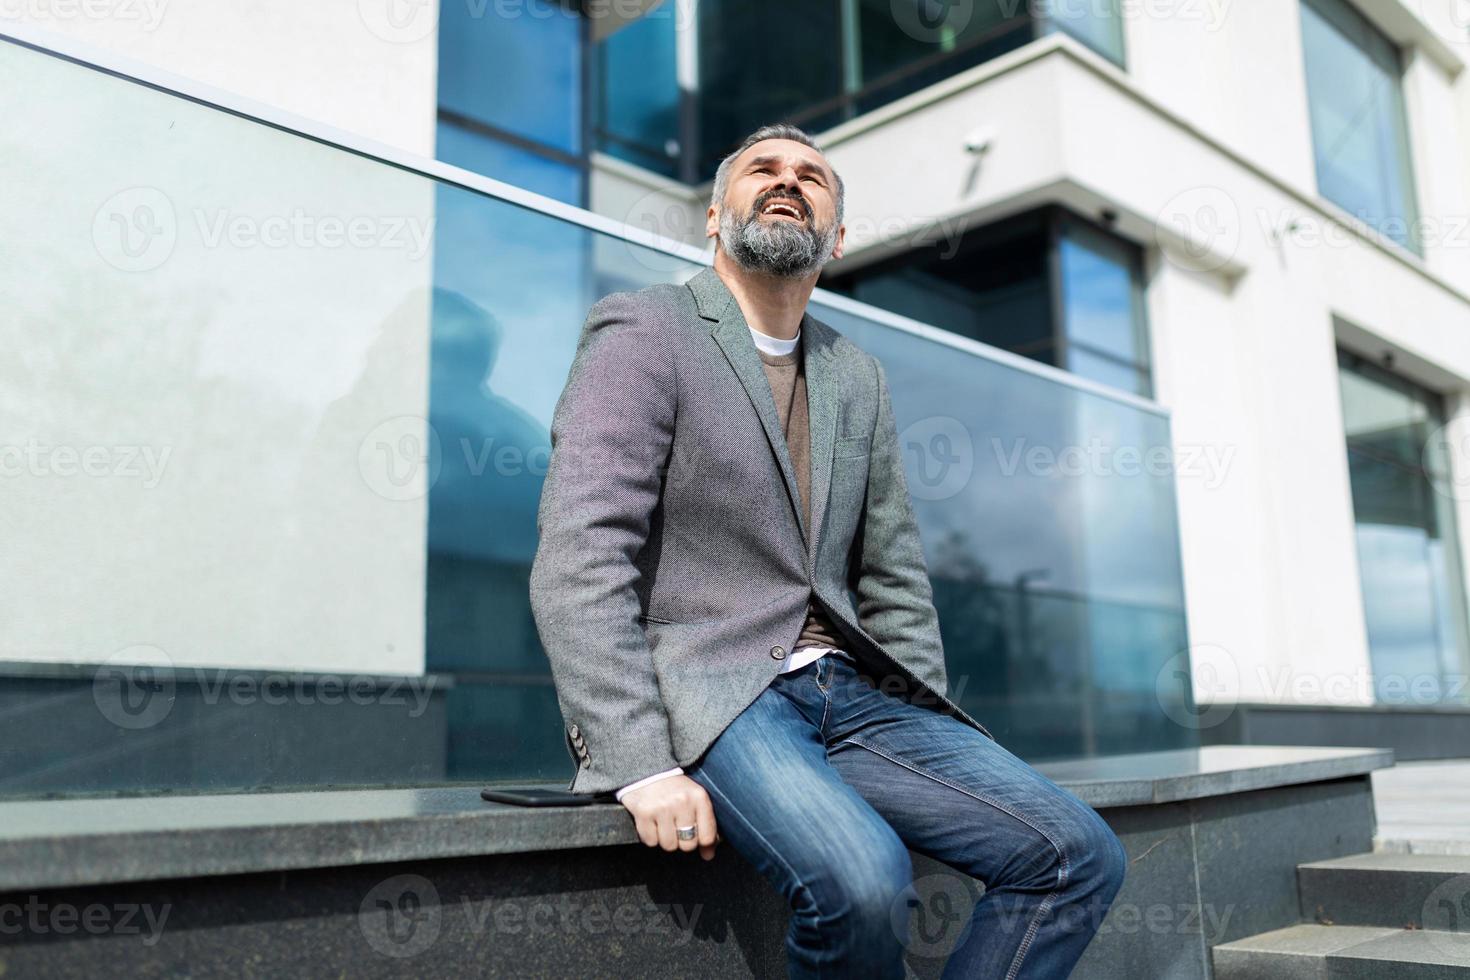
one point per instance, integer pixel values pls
(65, 843)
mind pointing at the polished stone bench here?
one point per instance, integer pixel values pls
(437, 882)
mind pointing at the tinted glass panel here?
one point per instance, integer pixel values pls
(515, 66)
(638, 92)
(512, 164)
(295, 406)
(1096, 23)
(759, 63)
(1403, 503)
(1359, 130)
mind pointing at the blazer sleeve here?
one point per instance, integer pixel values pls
(611, 433)
(895, 601)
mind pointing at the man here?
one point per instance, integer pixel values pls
(725, 468)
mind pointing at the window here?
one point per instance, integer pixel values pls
(511, 94)
(1360, 133)
(674, 89)
(1046, 285)
(1413, 594)
(749, 67)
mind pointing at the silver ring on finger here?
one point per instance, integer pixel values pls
(686, 833)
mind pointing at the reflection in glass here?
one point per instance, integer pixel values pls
(334, 566)
(1413, 595)
(511, 93)
(1034, 285)
(1055, 563)
(1359, 129)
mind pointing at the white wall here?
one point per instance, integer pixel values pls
(343, 62)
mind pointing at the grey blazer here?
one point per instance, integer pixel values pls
(674, 567)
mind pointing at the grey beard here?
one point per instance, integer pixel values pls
(777, 249)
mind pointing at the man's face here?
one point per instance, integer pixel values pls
(780, 211)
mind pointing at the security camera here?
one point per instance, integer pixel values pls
(977, 141)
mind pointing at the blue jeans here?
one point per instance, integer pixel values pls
(826, 782)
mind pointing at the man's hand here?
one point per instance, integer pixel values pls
(677, 801)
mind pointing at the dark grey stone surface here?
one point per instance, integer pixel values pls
(1317, 952)
(54, 843)
(1294, 953)
(1153, 928)
(436, 882)
(614, 911)
(1413, 732)
(1425, 891)
(1248, 847)
(1187, 774)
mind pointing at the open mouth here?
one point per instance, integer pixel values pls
(784, 209)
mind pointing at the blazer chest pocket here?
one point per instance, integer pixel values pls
(852, 447)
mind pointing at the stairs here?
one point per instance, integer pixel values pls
(1377, 916)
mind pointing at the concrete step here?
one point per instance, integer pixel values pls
(1396, 891)
(1316, 952)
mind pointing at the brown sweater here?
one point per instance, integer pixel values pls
(787, 376)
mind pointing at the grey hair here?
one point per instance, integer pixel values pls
(775, 131)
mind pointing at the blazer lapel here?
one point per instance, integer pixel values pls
(732, 333)
(822, 398)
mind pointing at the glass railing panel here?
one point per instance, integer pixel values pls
(276, 419)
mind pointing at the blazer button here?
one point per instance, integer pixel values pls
(586, 762)
(576, 732)
(778, 653)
